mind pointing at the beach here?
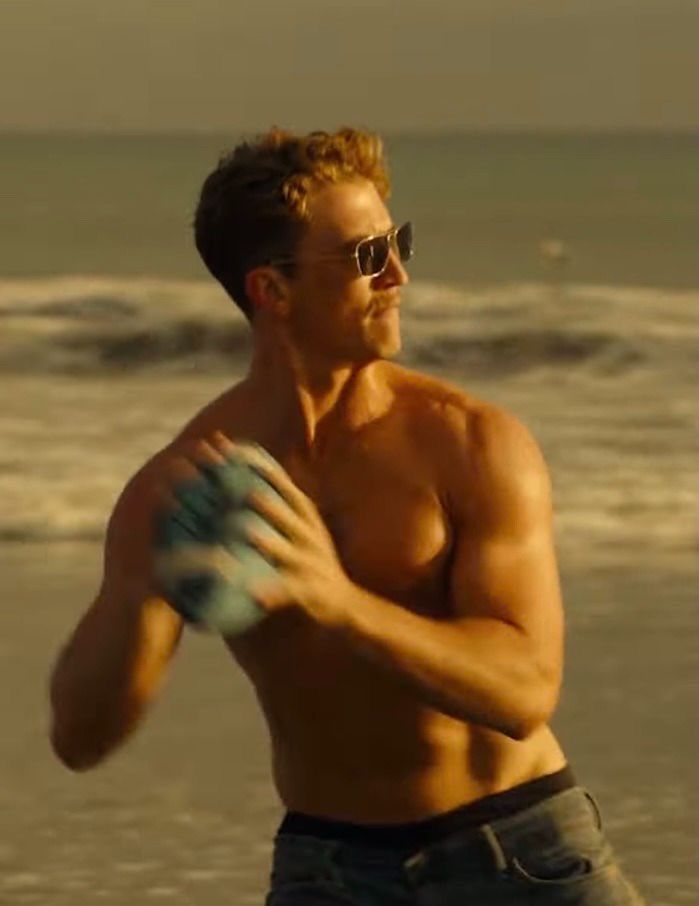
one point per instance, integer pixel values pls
(185, 812)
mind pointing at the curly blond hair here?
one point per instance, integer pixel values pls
(254, 206)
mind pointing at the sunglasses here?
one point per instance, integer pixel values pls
(371, 253)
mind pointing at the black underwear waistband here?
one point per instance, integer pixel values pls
(417, 834)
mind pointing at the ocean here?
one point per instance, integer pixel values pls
(554, 275)
(624, 205)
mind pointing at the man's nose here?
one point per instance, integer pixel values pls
(394, 274)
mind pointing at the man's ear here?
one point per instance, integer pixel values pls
(265, 288)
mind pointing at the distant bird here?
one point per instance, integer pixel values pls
(555, 255)
(554, 252)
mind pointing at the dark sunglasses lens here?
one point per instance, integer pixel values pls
(404, 241)
(373, 254)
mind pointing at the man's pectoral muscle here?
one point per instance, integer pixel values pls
(496, 660)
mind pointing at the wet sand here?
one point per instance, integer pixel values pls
(185, 813)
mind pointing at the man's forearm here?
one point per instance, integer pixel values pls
(478, 670)
(104, 677)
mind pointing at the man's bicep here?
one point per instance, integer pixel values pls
(504, 565)
(513, 581)
(128, 558)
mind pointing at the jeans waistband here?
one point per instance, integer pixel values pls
(417, 834)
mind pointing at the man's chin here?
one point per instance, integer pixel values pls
(373, 346)
(377, 353)
(387, 350)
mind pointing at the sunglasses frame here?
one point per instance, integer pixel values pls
(390, 236)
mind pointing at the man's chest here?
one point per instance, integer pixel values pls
(385, 515)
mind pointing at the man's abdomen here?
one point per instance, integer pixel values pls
(402, 770)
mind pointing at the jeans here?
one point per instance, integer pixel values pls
(553, 852)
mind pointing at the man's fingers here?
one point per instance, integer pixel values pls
(272, 594)
(261, 460)
(298, 502)
(279, 548)
(245, 449)
(191, 460)
(278, 512)
(206, 452)
(224, 444)
(198, 558)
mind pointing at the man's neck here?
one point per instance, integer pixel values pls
(304, 403)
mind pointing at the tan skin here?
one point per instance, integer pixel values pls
(412, 652)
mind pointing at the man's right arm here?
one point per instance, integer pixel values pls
(113, 664)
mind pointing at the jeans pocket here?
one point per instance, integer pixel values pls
(566, 851)
(559, 869)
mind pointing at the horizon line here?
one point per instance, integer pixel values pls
(403, 132)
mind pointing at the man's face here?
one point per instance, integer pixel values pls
(336, 311)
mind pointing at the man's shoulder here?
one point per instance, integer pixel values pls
(482, 449)
(455, 409)
(227, 410)
(130, 527)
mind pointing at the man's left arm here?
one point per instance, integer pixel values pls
(497, 659)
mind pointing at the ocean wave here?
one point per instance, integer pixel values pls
(143, 348)
(517, 351)
(604, 376)
(78, 325)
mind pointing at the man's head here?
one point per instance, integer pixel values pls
(279, 219)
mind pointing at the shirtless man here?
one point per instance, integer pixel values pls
(410, 655)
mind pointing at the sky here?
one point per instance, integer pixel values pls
(392, 65)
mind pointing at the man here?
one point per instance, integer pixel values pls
(410, 656)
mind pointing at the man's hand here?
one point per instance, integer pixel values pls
(309, 572)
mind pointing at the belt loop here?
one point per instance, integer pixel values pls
(495, 847)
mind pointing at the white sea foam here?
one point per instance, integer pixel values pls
(99, 373)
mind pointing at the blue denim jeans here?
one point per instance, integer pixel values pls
(554, 852)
